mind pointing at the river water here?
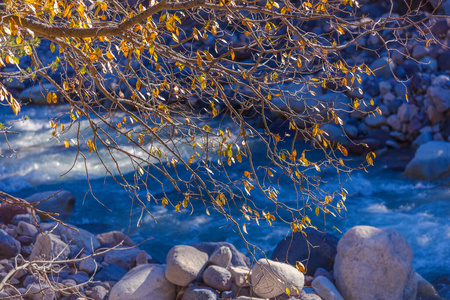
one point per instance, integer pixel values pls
(381, 198)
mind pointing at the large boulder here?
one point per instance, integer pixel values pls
(431, 162)
(49, 246)
(60, 202)
(315, 250)
(375, 264)
(271, 279)
(9, 246)
(144, 282)
(184, 264)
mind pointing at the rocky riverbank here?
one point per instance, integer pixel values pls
(45, 260)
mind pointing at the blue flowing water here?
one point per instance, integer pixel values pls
(381, 198)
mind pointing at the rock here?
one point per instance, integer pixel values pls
(310, 297)
(7, 212)
(144, 282)
(184, 264)
(38, 94)
(24, 240)
(441, 81)
(142, 258)
(221, 257)
(351, 130)
(420, 51)
(240, 276)
(423, 138)
(217, 277)
(27, 229)
(440, 98)
(324, 273)
(41, 291)
(326, 289)
(49, 246)
(374, 264)
(424, 288)
(444, 61)
(406, 112)
(411, 67)
(375, 121)
(237, 258)
(270, 278)
(98, 293)
(392, 144)
(334, 133)
(89, 265)
(385, 87)
(60, 202)
(113, 238)
(200, 293)
(80, 278)
(123, 257)
(429, 64)
(9, 246)
(82, 239)
(394, 122)
(26, 218)
(434, 115)
(382, 67)
(110, 273)
(316, 250)
(414, 126)
(431, 162)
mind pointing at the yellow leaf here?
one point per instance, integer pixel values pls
(244, 228)
(317, 210)
(232, 54)
(15, 106)
(66, 144)
(300, 267)
(247, 174)
(199, 60)
(103, 6)
(315, 130)
(164, 202)
(138, 84)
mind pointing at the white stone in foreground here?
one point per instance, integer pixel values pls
(270, 278)
(144, 282)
